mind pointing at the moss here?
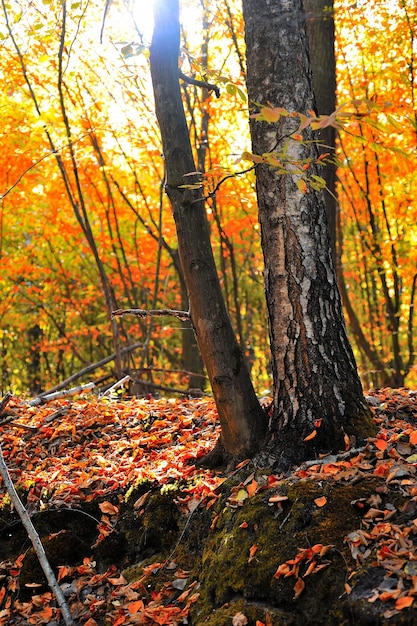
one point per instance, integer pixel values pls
(228, 572)
(253, 612)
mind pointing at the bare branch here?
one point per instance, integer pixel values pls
(181, 315)
(36, 542)
(61, 394)
(200, 83)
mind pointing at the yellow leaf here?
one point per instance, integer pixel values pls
(302, 186)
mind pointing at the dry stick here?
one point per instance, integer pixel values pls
(184, 392)
(116, 385)
(36, 542)
(181, 315)
(61, 394)
(90, 368)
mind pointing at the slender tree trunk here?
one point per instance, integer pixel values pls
(320, 31)
(316, 385)
(242, 419)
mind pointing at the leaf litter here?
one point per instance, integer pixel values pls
(97, 449)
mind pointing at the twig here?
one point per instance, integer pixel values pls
(36, 542)
(90, 368)
(181, 315)
(184, 392)
(61, 394)
(12, 422)
(116, 385)
(200, 83)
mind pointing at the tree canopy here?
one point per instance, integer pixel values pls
(96, 97)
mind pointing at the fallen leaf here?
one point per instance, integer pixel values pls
(320, 501)
(134, 607)
(298, 588)
(239, 620)
(404, 602)
(252, 552)
(311, 435)
(278, 498)
(252, 488)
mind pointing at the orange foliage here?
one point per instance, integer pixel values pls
(377, 183)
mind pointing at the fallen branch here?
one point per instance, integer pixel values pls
(116, 385)
(164, 370)
(36, 542)
(61, 394)
(181, 315)
(184, 392)
(90, 368)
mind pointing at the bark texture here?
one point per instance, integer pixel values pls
(314, 370)
(320, 31)
(242, 419)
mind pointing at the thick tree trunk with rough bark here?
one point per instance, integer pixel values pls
(242, 419)
(316, 385)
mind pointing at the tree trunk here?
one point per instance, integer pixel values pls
(317, 391)
(242, 419)
(320, 31)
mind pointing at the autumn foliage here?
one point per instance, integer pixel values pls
(84, 224)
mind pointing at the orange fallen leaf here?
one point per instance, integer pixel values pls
(118, 581)
(381, 444)
(282, 570)
(252, 552)
(404, 602)
(252, 488)
(320, 501)
(278, 498)
(135, 607)
(311, 435)
(298, 588)
(413, 438)
(310, 568)
(109, 508)
(245, 524)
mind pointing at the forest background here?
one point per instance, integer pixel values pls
(85, 227)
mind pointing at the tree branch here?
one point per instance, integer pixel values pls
(200, 83)
(181, 315)
(61, 394)
(36, 542)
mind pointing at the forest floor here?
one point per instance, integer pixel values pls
(136, 534)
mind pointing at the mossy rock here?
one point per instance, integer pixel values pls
(228, 574)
